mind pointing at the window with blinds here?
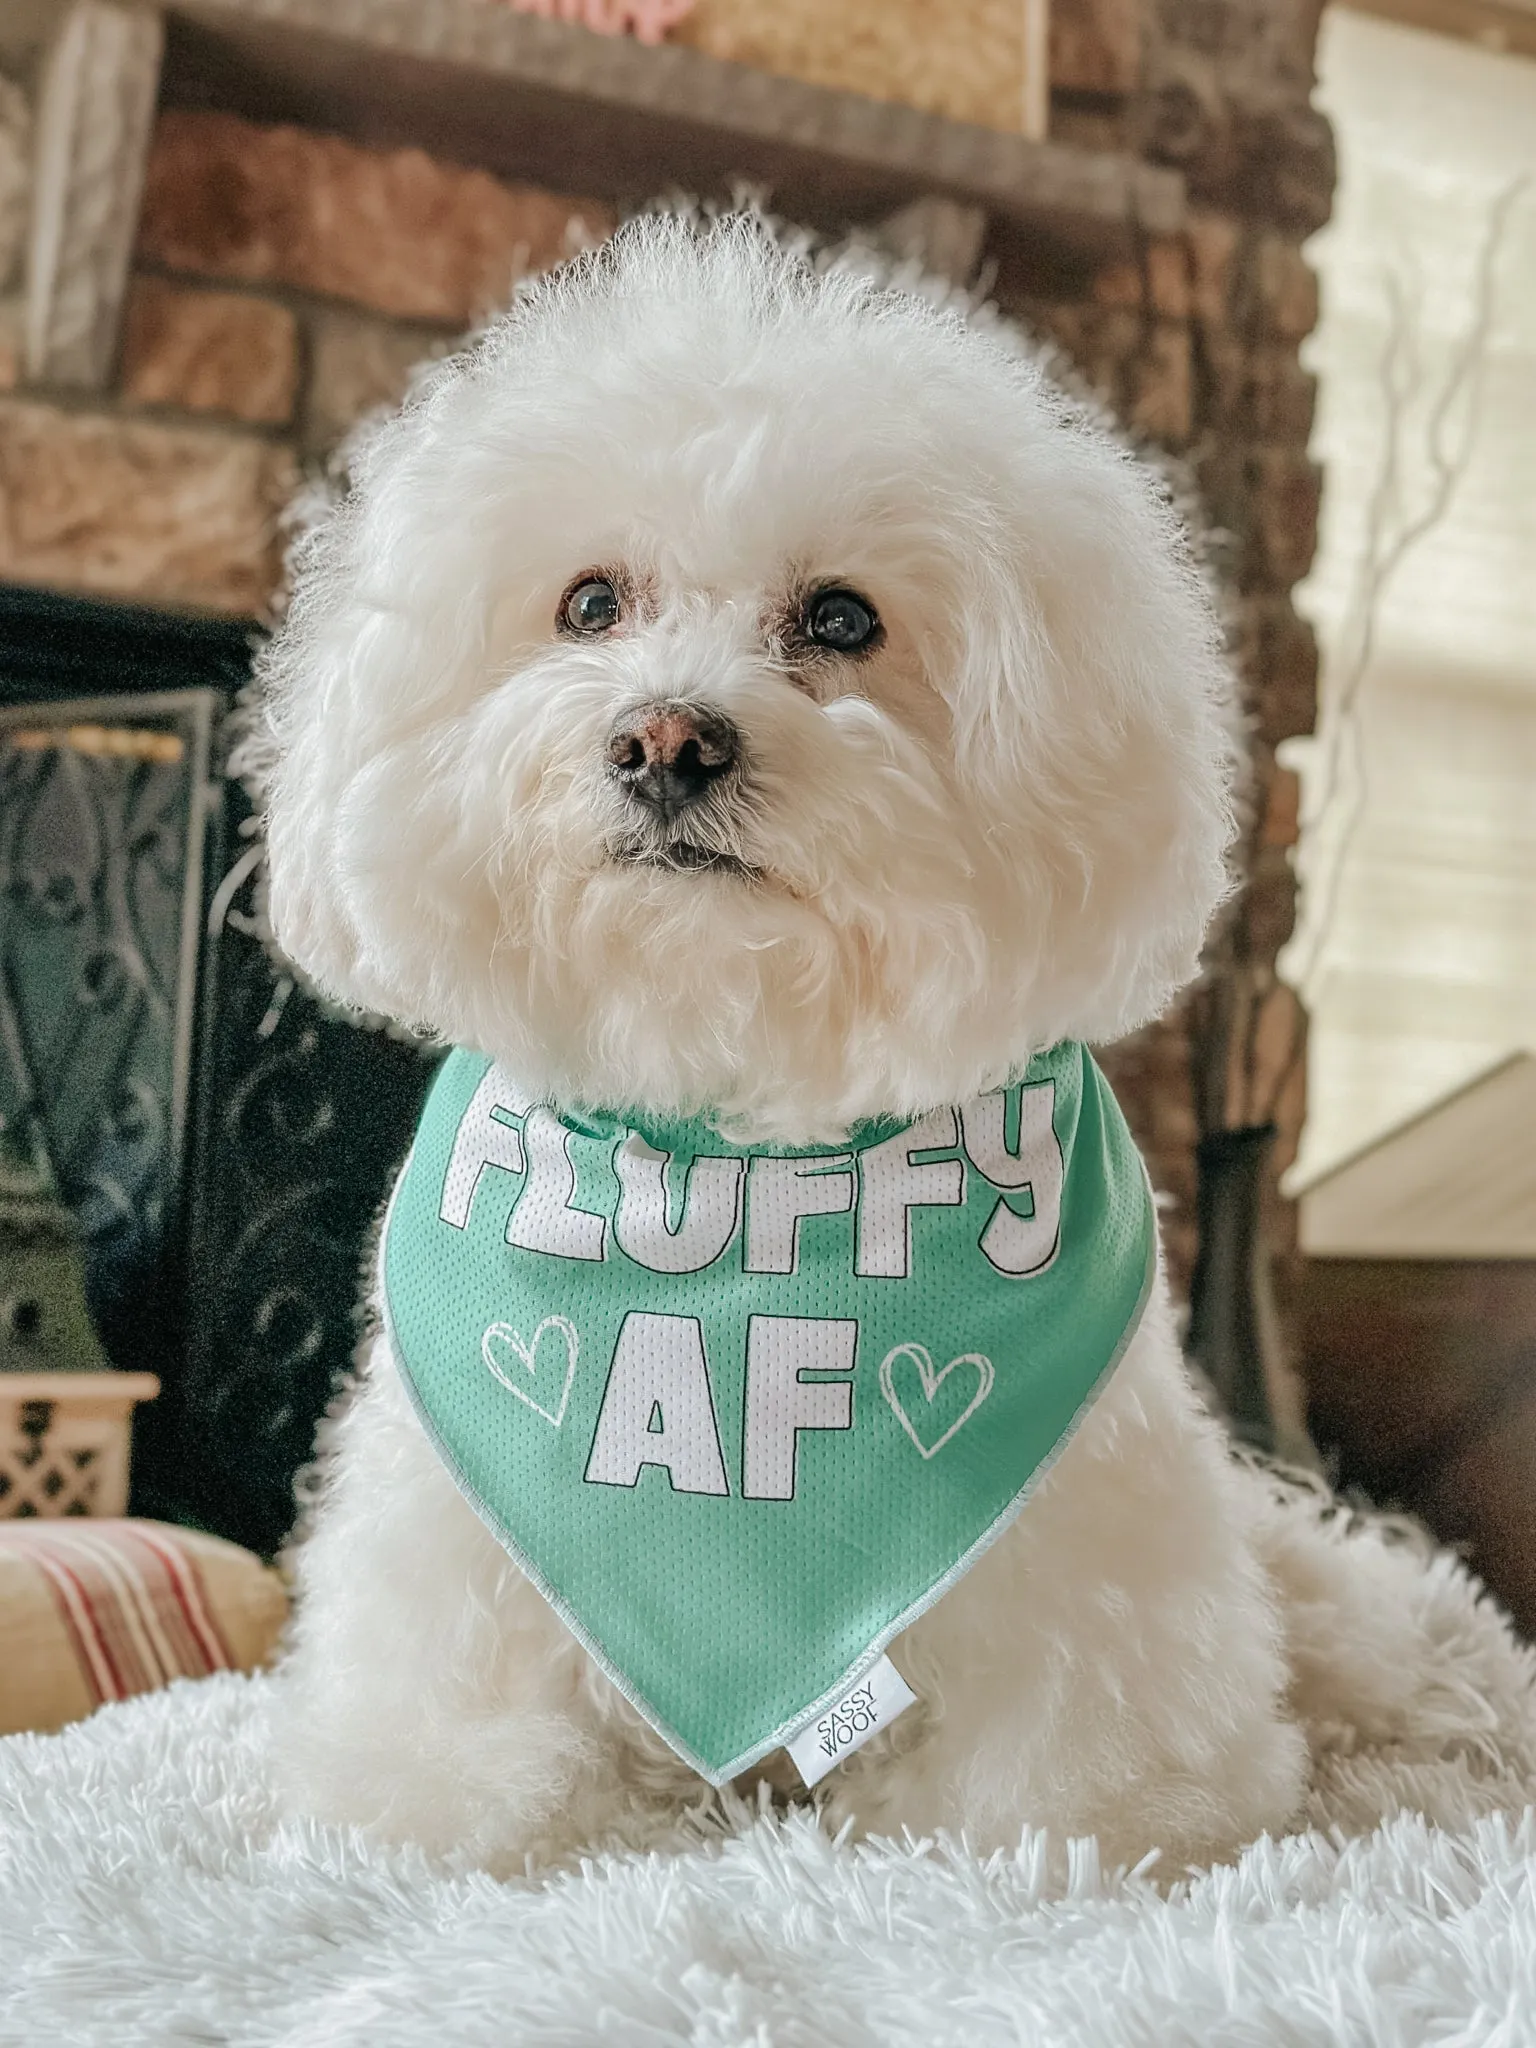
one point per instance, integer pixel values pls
(1416, 945)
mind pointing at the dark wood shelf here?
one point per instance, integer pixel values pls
(555, 104)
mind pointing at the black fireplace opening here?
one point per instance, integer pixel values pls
(223, 1140)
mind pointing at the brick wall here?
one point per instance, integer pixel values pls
(284, 282)
(1197, 342)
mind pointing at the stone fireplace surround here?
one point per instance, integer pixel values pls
(249, 218)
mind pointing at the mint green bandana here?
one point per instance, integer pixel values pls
(742, 1413)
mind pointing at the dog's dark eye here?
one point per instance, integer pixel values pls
(592, 607)
(841, 620)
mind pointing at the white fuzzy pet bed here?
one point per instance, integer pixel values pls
(150, 1897)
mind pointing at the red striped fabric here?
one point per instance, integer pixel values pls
(131, 1600)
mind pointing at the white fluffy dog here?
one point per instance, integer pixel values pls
(931, 709)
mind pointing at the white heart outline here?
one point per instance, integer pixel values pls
(528, 1353)
(932, 1381)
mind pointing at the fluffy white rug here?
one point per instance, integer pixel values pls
(150, 1898)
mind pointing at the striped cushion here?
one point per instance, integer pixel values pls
(92, 1611)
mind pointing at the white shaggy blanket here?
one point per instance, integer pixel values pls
(151, 1898)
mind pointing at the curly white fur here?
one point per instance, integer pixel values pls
(1005, 827)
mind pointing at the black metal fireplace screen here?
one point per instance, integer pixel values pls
(223, 1142)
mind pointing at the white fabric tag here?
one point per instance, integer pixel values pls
(864, 1709)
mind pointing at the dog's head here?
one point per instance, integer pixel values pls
(731, 685)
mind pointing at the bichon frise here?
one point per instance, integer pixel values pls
(766, 729)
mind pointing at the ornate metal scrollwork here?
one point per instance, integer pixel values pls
(306, 1118)
(102, 811)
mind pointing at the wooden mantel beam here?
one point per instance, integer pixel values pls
(550, 102)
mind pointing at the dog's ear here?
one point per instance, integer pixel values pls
(1095, 710)
(383, 623)
(299, 752)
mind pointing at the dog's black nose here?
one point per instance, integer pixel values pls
(668, 755)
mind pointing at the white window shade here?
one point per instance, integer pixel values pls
(1416, 948)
